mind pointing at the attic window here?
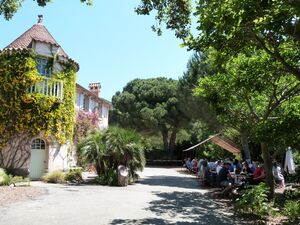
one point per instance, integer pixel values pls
(43, 67)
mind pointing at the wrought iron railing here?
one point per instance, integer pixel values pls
(49, 87)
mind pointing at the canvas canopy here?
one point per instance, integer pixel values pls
(222, 142)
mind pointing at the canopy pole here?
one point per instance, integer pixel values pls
(202, 142)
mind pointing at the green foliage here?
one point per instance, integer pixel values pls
(74, 175)
(7, 179)
(111, 148)
(253, 93)
(110, 178)
(33, 113)
(151, 106)
(55, 176)
(254, 201)
(4, 178)
(9, 7)
(234, 25)
(292, 210)
(292, 194)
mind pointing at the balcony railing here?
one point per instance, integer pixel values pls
(49, 87)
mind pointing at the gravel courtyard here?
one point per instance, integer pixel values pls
(162, 196)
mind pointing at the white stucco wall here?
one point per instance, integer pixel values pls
(58, 157)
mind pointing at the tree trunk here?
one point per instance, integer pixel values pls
(268, 168)
(164, 133)
(244, 140)
(172, 142)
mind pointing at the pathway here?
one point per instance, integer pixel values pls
(163, 196)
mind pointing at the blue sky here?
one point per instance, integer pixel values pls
(111, 43)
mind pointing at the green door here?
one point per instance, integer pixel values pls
(37, 166)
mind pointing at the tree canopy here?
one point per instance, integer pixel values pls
(253, 93)
(232, 26)
(9, 7)
(151, 105)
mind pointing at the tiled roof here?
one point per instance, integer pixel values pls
(37, 32)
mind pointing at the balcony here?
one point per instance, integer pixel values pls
(49, 87)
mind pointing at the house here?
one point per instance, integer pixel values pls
(89, 100)
(38, 92)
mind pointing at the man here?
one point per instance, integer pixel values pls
(225, 178)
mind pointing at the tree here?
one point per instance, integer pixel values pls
(252, 94)
(151, 106)
(9, 7)
(232, 26)
(111, 148)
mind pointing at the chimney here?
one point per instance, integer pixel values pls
(95, 88)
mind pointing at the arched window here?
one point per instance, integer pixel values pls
(38, 144)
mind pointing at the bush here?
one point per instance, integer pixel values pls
(5, 179)
(292, 210)
(110, 177)
(54, 177)
(292, 194)
(74, 175)
(255, 201)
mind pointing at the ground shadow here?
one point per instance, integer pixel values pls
(171, 181)
(188, 208)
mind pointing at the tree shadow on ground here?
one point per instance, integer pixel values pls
(188, 208)
(171, 181)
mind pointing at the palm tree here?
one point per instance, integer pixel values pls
(93, 150)
(114, 147)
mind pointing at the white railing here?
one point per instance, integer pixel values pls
(49, 87)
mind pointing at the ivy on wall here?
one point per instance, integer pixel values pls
(32, 113)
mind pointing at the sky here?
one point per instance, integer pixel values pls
(112, 44)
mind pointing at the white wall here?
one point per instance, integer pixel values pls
(58, 157)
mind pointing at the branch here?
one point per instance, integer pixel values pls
(277, 56)
(251, 107)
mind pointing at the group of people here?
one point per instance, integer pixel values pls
(229, 174)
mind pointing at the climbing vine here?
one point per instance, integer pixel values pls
(33, 113)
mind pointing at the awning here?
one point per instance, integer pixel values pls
(226, 145)
(222, 142)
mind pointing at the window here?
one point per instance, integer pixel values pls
(38, 144)
(81, 101)
(104, 112)
(43, 67)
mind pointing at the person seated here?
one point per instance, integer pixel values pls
(205, 174)
(199, 166)
(189, 164)
(195, 165)
(247, 169)
(278, 177)
(225, 178)
(258, 176)
(219, 166)
(238, 166)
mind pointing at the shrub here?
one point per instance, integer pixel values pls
(255, 201)
(110, 177)
(109, 149)
(5, 179)
(74, 175)
(291, 194)
(54, 177)
(292, 210)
